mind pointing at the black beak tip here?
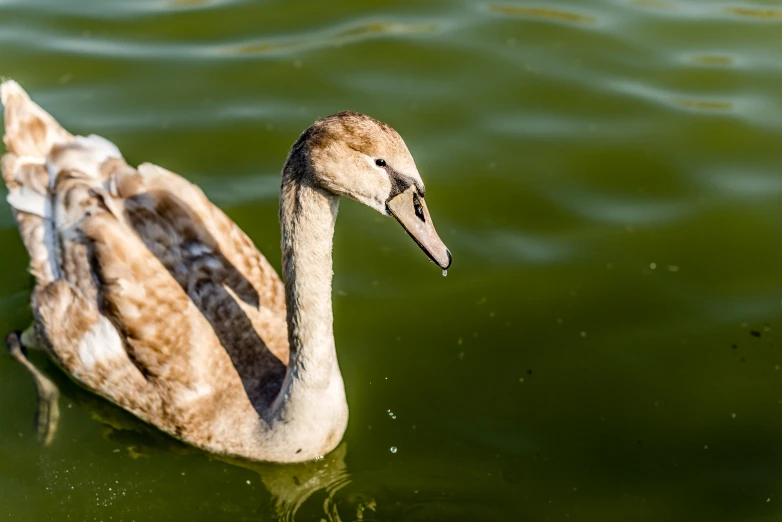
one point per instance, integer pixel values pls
(450, 259)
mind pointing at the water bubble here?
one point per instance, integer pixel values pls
(445, 273)
(393, 449)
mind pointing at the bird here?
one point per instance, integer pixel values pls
(150, 296)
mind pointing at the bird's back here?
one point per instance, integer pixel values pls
(145, 292)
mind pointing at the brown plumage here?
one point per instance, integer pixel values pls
(149, 295)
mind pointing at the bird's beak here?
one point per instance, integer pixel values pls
(410, 210)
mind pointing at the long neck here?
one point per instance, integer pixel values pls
(307, 217)
(312, 398)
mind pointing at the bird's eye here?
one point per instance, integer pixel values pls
(419, 211)
(380, 162)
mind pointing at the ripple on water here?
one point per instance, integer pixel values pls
(712, 60)
(742, 182)
(703, 11)
(543, 126)
(317, 492)
(621, 211)
(675, 100)
(542, 13)
(766, 15)
(118, 10)
(661, 5)
(331, 36)
(516, 247)
(342, 36)
(177, 4)
(704, 104)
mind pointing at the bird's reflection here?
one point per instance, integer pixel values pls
(290, 486)
(293, 485)
(325, 490)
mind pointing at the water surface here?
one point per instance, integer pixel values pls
(606, 174)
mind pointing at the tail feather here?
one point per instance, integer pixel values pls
(39, 149)
(29, 130)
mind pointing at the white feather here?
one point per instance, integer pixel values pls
(30, 201)
(102, 147)
(101, 344)
(84, 155)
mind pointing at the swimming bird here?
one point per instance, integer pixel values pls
(150, 296)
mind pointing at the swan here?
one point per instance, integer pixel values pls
(148, 295)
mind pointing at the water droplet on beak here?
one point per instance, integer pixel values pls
(445, 273)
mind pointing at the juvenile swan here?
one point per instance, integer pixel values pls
(150, 296)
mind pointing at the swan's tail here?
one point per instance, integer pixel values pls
(39, 150)
(30, 134)
(29, 130)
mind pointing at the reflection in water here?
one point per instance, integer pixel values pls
(323, 489)
(293, 485)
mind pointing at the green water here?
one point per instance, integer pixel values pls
(607, 176)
